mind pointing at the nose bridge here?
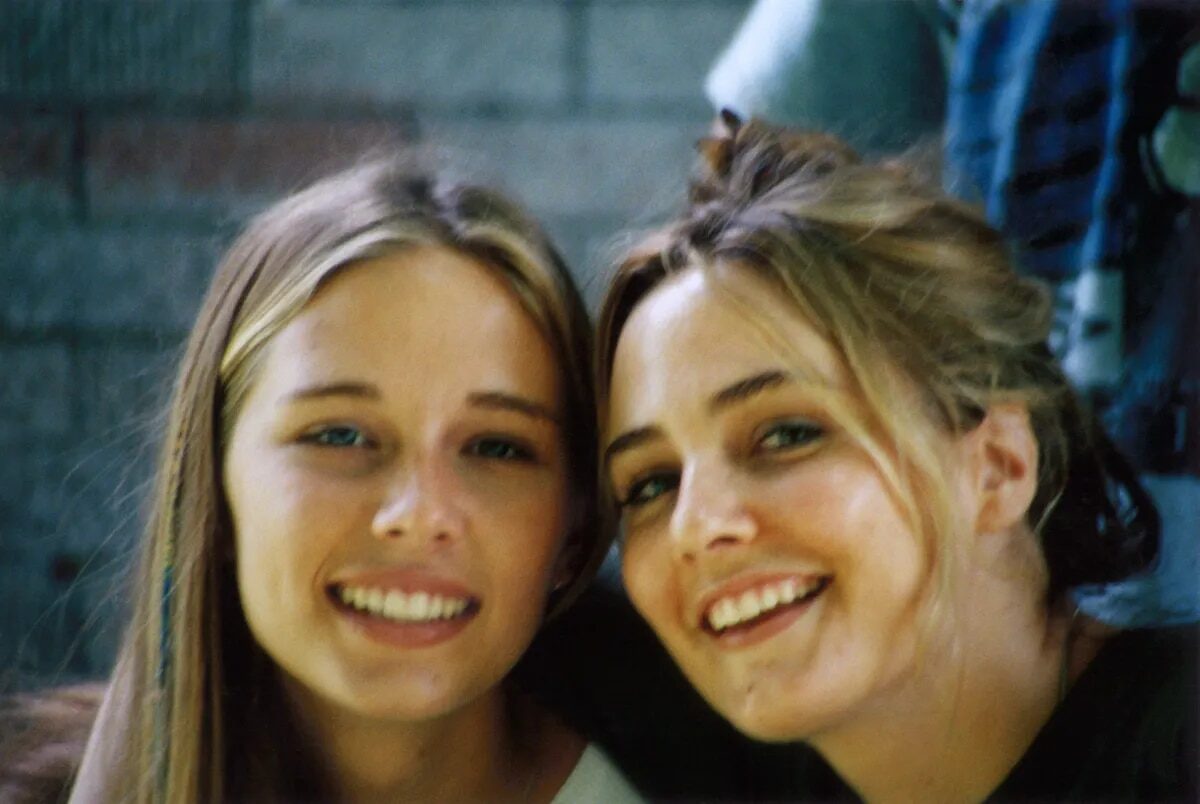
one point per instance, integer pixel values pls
(420, 500)
(709, 510)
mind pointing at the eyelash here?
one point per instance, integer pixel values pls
(489, 447)
(799, 432)
(326, 437)
(631, 498)
(794, 433)
(509, 450)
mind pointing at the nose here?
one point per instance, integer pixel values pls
(710, 512)
(422, 503)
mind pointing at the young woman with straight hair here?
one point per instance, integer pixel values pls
(376, 483)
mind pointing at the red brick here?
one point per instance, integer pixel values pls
(35, 162)
(223, 162)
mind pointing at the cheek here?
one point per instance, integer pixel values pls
(650, 580)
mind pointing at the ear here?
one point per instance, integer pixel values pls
(565, 565)
(1002, 453)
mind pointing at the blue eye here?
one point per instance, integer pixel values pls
(789, 435)
(647, 489)
(339, 435)
(500, 449)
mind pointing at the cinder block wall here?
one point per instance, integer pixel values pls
(135, 136)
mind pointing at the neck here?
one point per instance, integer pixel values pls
(476, 753)
(983, 688)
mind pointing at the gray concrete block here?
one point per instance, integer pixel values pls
(103, 278)
(431, 53)
(35, 394)
(117, 51)
(589, 245)
(630, 169)
(54, 630)
(76, 498)
(124, 390)
(650, 52)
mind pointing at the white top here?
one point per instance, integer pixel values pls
(596, 780)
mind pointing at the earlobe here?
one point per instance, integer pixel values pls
(1005, 455)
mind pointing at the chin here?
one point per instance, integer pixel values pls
(775, 715)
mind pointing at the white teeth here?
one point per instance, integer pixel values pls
(724, 614)
(393, 604)
(748, 607)
(770, 598)
(375, 600)
(736, 609)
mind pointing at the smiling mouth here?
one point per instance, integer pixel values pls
(393, 605)
(742, 612)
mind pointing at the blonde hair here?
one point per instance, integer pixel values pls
(192, 659)
(916, 292)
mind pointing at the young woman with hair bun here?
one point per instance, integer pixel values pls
(856, 490)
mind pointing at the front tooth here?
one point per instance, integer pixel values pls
(727, 610)
(770, 598)
(715, 620)
(748, 605)
(418, 606)
(437, 605)
(787, 591)
(393, 604)
(375, 601)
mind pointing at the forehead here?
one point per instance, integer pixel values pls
(705, 328)
(427, 314)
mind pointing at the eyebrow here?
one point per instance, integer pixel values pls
(745, 388)
(362, 390)
(629, 440)
(729, 395)
(499, 400)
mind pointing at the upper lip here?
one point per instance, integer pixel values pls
(739, 584)
(406, 579)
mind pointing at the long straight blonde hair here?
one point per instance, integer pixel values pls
(188, 664)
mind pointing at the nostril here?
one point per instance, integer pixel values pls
(723, 541)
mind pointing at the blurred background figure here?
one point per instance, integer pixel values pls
(1076, 126)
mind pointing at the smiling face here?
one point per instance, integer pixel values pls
(762, 543)
(398, 487)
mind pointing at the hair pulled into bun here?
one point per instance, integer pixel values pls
(742, 161)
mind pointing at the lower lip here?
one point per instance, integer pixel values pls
(411, 634)
(761, 630)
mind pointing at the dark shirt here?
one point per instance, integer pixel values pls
(1127, 730)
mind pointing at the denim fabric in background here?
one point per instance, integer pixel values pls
(1049, 108)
